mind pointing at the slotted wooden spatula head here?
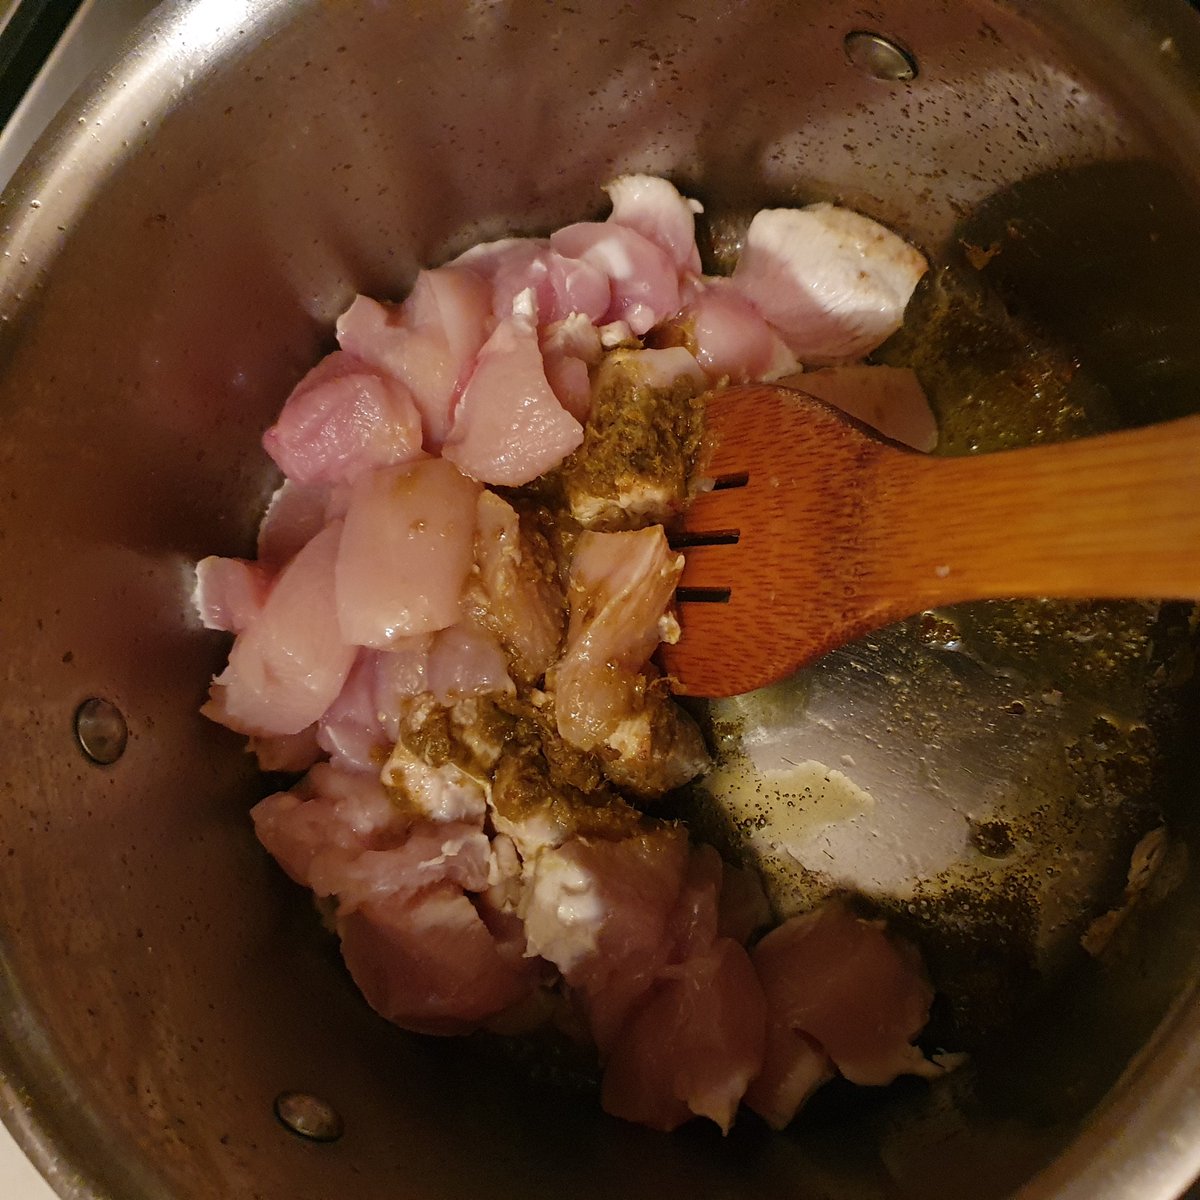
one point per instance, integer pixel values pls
(770, 553)
(817, 531)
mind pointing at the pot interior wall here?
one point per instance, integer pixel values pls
(173, 264)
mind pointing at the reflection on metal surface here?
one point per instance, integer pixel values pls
(201, 27)
(95, 31)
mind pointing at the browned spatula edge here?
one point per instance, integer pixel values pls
(831, 532)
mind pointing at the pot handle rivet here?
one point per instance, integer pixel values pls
(880, 56)
(101, 731)
(308, 1116)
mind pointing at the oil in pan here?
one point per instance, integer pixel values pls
(980, 775)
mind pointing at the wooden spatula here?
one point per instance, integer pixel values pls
(818, 532)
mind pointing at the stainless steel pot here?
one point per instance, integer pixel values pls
(172, 260)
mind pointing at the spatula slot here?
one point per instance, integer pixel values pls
(724, 483)
(703, 595)
(688, 538)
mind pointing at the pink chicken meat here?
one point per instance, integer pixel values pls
(289, 663)
(465, 676)
(405, 552)
(509, 426)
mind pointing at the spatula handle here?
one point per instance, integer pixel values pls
(1108, 516)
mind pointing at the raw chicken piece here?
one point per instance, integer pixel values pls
(600, 911)
(858, 994)
(569, 349)
(509, 427)
(327, 819)
(429, 342)
(641, 440)
(413, 941)
(540, 1005)
(406, 552)
(653, 208)
(656, 747)
(361, 726)
(620, 587)
(889, 399)
(431, 853)
(519, 596)
(834, 283)
(644, 280)
(729, 337)
(693, 925)
(401, 673)
(561, 286)
(294, 516)
(841, 996)
(466, 660)
(347, 839)
(794, 1068)
(229, 592)
(431, 964)
(289, 664)
(288, 752)
(442, 757)
(344, 417)
(570, 382)
(350, 730)
(692, 1046)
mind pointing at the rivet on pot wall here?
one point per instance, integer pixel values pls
(880, 56)
(308, 1116)
(101, 730)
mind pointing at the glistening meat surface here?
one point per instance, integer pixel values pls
(449, 635)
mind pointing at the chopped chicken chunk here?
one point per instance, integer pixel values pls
(509, 426)
(343, 418)
(519, 596)
(640, 444)
(620, 587)
(429, 343)
(464, 674)
(889, 399)
(858, 994)
(654, 208)
(289, 663)
(406, 552)
(834, 283)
